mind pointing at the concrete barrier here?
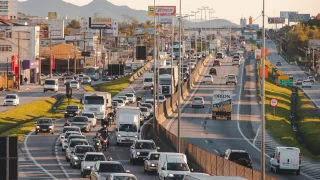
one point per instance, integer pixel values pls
(140, 72)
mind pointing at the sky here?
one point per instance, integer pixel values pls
(226, 9)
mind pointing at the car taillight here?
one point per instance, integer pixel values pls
(202, 101)
(278, 157)
(250, 161)
(299, 158)
(193, 101)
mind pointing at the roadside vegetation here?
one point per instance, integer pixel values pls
(115, 86)
(309, 124)
(20, 120)
(278, 124)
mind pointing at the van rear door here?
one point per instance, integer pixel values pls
(289, 158)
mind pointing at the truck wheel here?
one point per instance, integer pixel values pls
(298, 172)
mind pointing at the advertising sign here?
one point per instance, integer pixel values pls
(26, 64)
(252, 26)
(299, 17)
(276, 20)
(314, 44)
(162, 11)
(52, 15)
(166, 20)
(258, 53)
(100, 23)
(140, 31)
(285, 14)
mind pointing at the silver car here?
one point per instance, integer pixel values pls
(151, 162)
(198, 101)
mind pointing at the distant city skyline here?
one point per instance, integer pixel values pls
(227, 9)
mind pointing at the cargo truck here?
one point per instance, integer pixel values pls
(98, 103)
(128, 124)
(167, 82)
(221, 104)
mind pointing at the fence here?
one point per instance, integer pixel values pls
(199, 159)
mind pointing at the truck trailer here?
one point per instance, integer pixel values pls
(221, 104)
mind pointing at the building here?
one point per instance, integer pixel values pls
(9, 9)
(243, 22)
(20, 43)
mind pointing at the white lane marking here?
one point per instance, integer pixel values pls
(32, 159)
(58, 159)
(257, 133)
(238, 123)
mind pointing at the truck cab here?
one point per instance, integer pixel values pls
(98, 104)
(166, 84)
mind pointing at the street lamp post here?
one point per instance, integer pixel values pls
(262, 97)
(205, 29)
(179, 82)
(200, 29)
(154, 64)
(196, 39)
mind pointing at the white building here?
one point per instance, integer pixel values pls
(22, 41)
(243, 22)
(8, 9)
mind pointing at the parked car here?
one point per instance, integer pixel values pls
(44, 125)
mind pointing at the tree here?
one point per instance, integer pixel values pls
(67, 31)
(74, 24)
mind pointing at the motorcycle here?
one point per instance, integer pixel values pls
(97, 145)
(104, 143)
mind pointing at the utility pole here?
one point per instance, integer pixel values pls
(196, 39)
(154, 63)
(263, 164)
(39, 64)
(200, 30)
(19, 63)
(172, 39)
(51, 54)
(7, 72)
(75, 55)
(179, 81)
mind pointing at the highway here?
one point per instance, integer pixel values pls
(221, 134)
(45, 151)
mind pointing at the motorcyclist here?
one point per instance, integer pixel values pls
(67, 123)
(103, 129)
(96, 138)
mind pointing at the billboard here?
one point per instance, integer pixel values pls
(252, 26)
(285, 14)
(299, 17)
(140, 31)
(166, 20)
(100, 23)
(56, 26)
(52, 15)
(314, 44)
(276, 20)
(162, 11)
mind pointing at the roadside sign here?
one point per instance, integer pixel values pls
(286, 82)
(273, 102)
(283, 78)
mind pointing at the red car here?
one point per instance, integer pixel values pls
(216, 62)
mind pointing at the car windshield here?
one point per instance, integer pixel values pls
(123, 97)
(114, 168)
(128, 127)
(146, 105)
(85, 78)
(44, 121)
(74, 82)
(50, 82)
(147, 80)
(165, 81)
(129, 95)
(99, 100)
(80, 119)
(143, 109)
(114, 103)
(197, 99)
(88, 115)
(119, 101)
(70, 129)
(69, 78)
(75, 137)
(207, 76)
(84, 149)
(149, 102)
(74, 143)
(177, 167)
(11, 97)
(145, 145)
(72, 107)
(154, 157)
(161, 97)
(95, 158)
(236, 156)
(69, 134)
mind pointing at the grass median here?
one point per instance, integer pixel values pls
(65, 102)
(278, 121)
(20, 120)
(309, 123)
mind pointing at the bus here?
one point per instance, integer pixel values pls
(94, 72)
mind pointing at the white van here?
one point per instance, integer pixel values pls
(172, 165)
(203, 176)
(51, 85)
(286, 159)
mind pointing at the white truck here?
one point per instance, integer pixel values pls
(167, 82)
(148, 80)
(128, 124)
(98, 103)
(172, 166)
(243, 44)
(221, 104)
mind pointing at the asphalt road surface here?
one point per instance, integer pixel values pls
(222, 134)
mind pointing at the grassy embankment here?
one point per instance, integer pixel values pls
(279, 125)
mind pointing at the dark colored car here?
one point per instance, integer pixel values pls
(104, 168)
(44, 125)
(82, 122)
(278, 64)
(216, 62)
(78, 153)
(239, 156)
(71, 111)
(213, 71)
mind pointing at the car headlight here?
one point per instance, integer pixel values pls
(136, 136)
(119, 135)
(170, 175)
(66, 112)
(152, 165)
(38, 126)
(87, 167)
(76, 158)
(138, 153)
(50, 127)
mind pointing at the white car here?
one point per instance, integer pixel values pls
(207, 78)
(68, 79)
(72, 144)
(125, 99)
(92, 118)
(66, 129)
(11, 99)
(306, 83)
(131, 97)
(198, 101)
(66, 136)
(114, 104)
(286, 159)
(70, 137)
(145, 113)
(231, 79)
(121, 102)
(89, 160)
(151, 162)
(86, 80)
(149, 106)
(117, 176)
(75, 85)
